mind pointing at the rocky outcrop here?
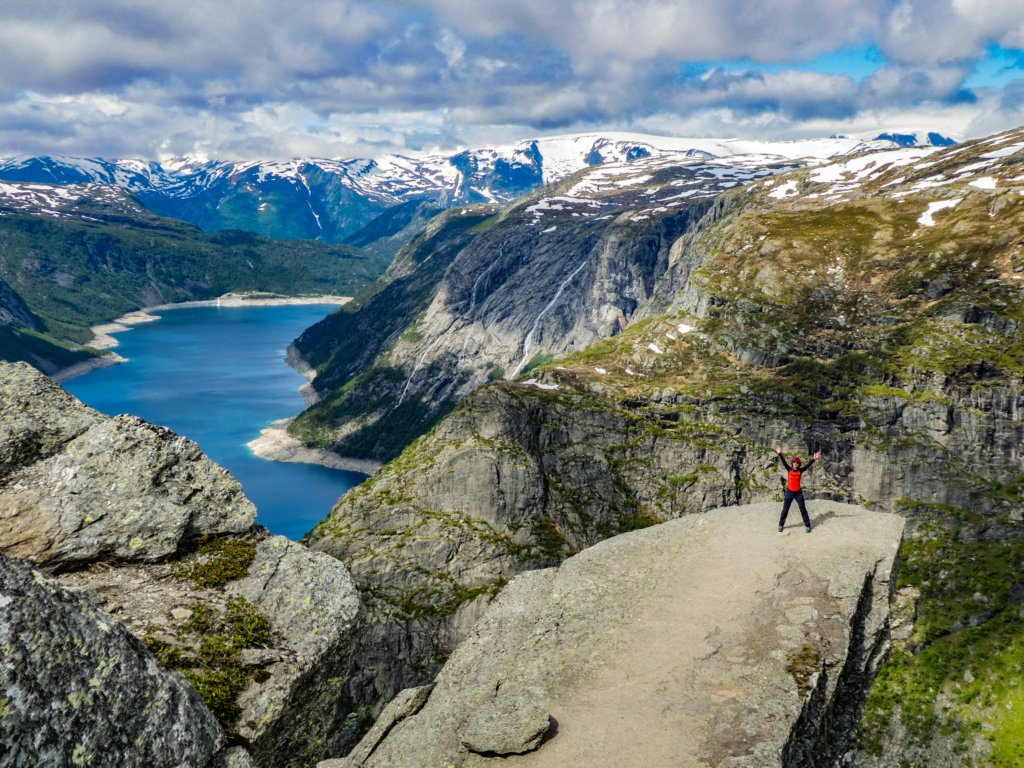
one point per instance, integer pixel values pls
(13, 310)
(290, 708)
(294, 714)
(77, 689)
(79, 487)
(812, 311)
(725, 643)
(136, 520)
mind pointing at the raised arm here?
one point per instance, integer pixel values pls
(778, 452)
(814, 458)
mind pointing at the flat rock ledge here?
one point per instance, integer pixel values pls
(711, 640)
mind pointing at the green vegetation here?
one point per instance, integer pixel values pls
(74, 273)
(38, 349)
(536, 362)
(217, 562)
(962, 670)
(437, 595)
(495, 372)
(382, 430)
(207, 650)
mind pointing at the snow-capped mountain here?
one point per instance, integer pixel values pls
(331, 199)
(68, 201)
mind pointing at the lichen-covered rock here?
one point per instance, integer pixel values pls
(77, 690)
(295, 713)
(710, 640)
(37, 417)
(291, 709)
(78, 487)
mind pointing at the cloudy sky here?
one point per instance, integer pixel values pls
(238, 79)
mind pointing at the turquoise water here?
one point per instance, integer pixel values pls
(218, 376)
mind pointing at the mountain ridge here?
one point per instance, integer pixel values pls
(331, 199)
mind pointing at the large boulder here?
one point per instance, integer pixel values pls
(296, 713)
(77, 487)
(709, 640)
(76, 689)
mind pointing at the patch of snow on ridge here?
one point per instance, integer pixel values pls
(1004, 152)
(656, 349)
(847, 175)
(985, 182)
(540, 385)
(786, 190)
(684, 328)
(926, 219)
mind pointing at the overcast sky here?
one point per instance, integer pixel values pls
(240, 79)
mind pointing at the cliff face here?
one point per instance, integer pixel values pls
(725, 643)
(547, 275)
(870, 309)
(135, 520)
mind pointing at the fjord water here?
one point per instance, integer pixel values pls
(218, 376)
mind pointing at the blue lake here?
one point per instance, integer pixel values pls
(218, 376)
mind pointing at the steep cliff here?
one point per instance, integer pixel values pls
(136, 520)
(707, 641)
(869, 308)
(548, 274)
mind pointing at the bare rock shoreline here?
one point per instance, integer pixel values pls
(275, 444)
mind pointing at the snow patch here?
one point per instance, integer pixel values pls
(926, 219)
(985, 182)
(1004, 152)
(786, 190)
(656, 349)
(539, 384)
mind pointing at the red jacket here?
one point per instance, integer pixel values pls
(793, 481)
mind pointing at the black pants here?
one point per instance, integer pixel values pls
(799, 496)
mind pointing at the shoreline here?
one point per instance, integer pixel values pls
(275, 444)
(86, 366)
(294, 358)
(103, 334)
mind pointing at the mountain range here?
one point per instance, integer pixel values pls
(623, 346)
(333, 199)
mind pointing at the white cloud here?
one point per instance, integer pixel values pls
(228, 77)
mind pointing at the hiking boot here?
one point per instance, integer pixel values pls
(780, 528)
(807, 528)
